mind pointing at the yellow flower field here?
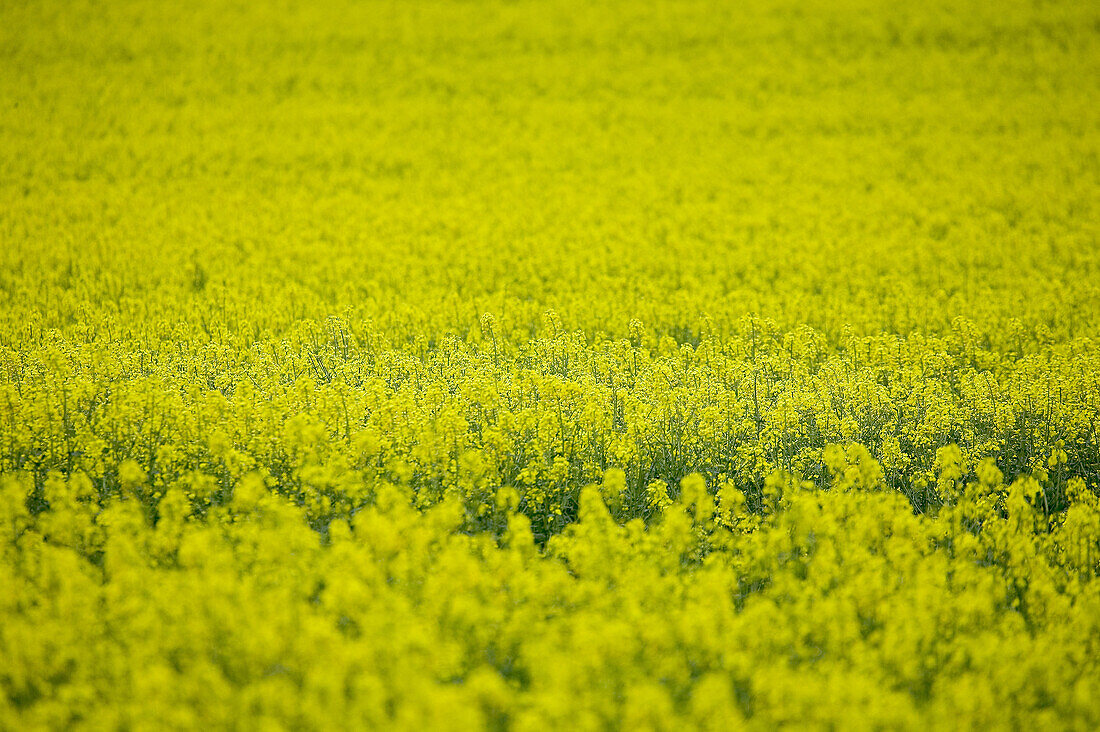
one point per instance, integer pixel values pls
(500, 364)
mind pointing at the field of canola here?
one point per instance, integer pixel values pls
(519, 365)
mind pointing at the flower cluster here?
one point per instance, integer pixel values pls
(834, 605)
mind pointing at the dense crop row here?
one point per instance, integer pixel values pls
(620, 365)
(832, 605)
(331, 412)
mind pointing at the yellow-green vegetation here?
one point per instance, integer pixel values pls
(620, 365)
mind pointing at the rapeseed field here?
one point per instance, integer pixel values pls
(511, 365)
